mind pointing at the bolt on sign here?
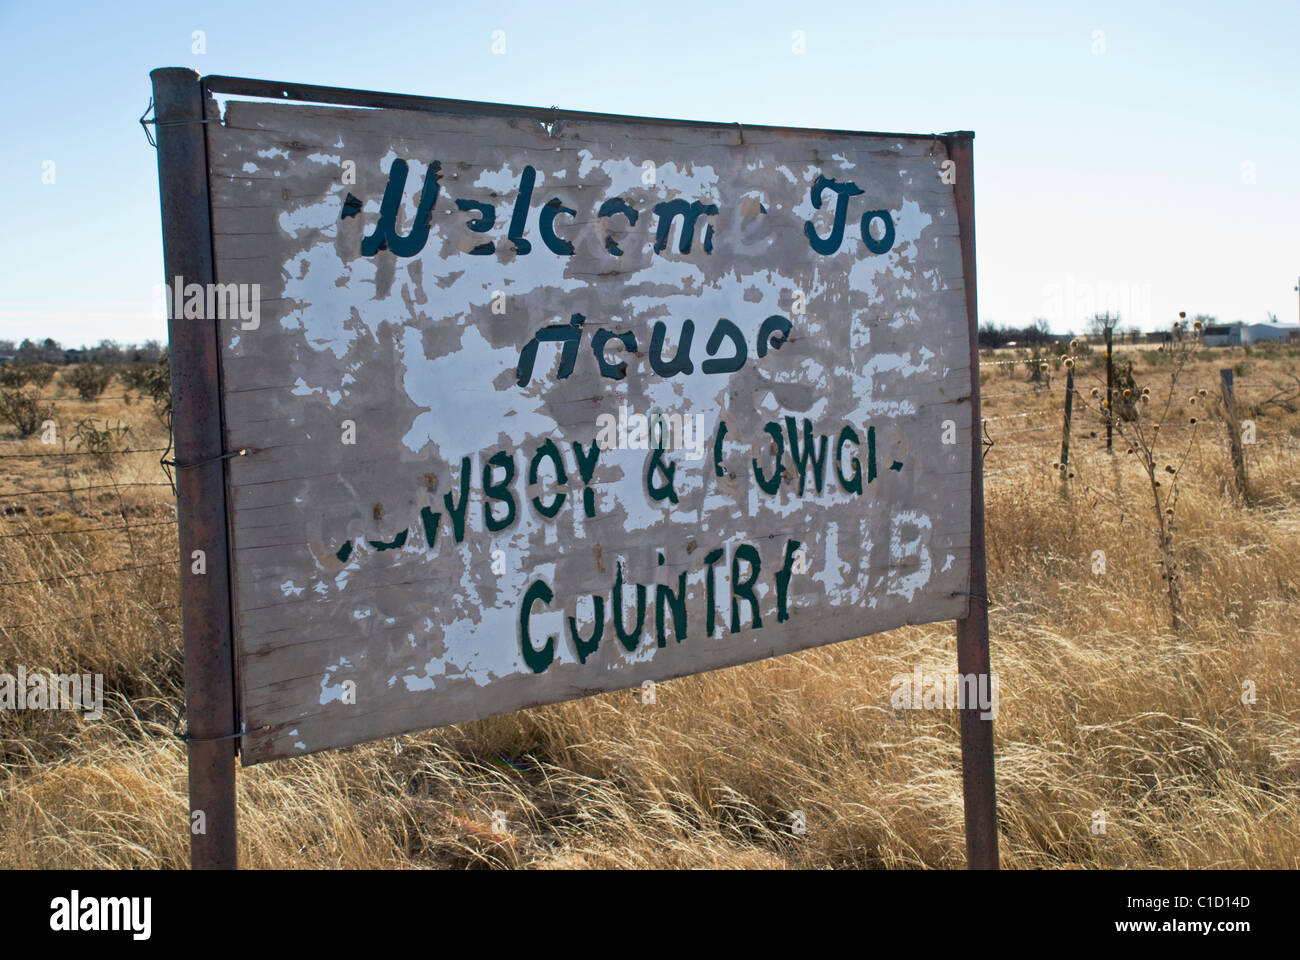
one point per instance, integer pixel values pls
(539, 404)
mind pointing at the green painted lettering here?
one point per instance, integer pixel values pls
(539, 660)
(745, 589)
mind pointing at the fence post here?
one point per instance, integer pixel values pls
(1065, 433)
(1234, 432)
(1110, 394)
(200, 471)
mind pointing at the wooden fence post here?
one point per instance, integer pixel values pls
(1065, 433)
(1110, 395)
(1234, 432)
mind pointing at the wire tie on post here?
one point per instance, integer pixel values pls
(146, 123)
(187, 739)
(241, 452)
(167, 464)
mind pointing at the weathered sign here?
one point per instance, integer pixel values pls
(535, 409)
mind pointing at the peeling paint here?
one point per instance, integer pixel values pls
(422, 607)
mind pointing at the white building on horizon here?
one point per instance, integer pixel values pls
(1244, 334)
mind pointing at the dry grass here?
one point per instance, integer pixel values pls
(1101, 708)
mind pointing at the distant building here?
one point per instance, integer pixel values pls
(1256, 332)
(1222, 335)
(1244, 334)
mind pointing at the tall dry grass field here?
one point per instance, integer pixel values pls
(1105, 712)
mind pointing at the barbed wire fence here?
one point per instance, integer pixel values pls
(50, 521)
(1049, 422)
(19, 507)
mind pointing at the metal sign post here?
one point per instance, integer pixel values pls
(973, 629)
(200, 482)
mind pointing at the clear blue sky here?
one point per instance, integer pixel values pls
(1121, 173)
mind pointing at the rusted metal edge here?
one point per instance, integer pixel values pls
(346, 97)
(978, 788)
(201, 495)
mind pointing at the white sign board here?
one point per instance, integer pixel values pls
(541, 408)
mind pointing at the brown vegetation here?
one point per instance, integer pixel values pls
(1102, 706)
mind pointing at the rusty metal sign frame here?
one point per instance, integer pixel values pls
(181, 99)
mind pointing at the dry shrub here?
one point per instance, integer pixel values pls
(88, 380)
(24, 411)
